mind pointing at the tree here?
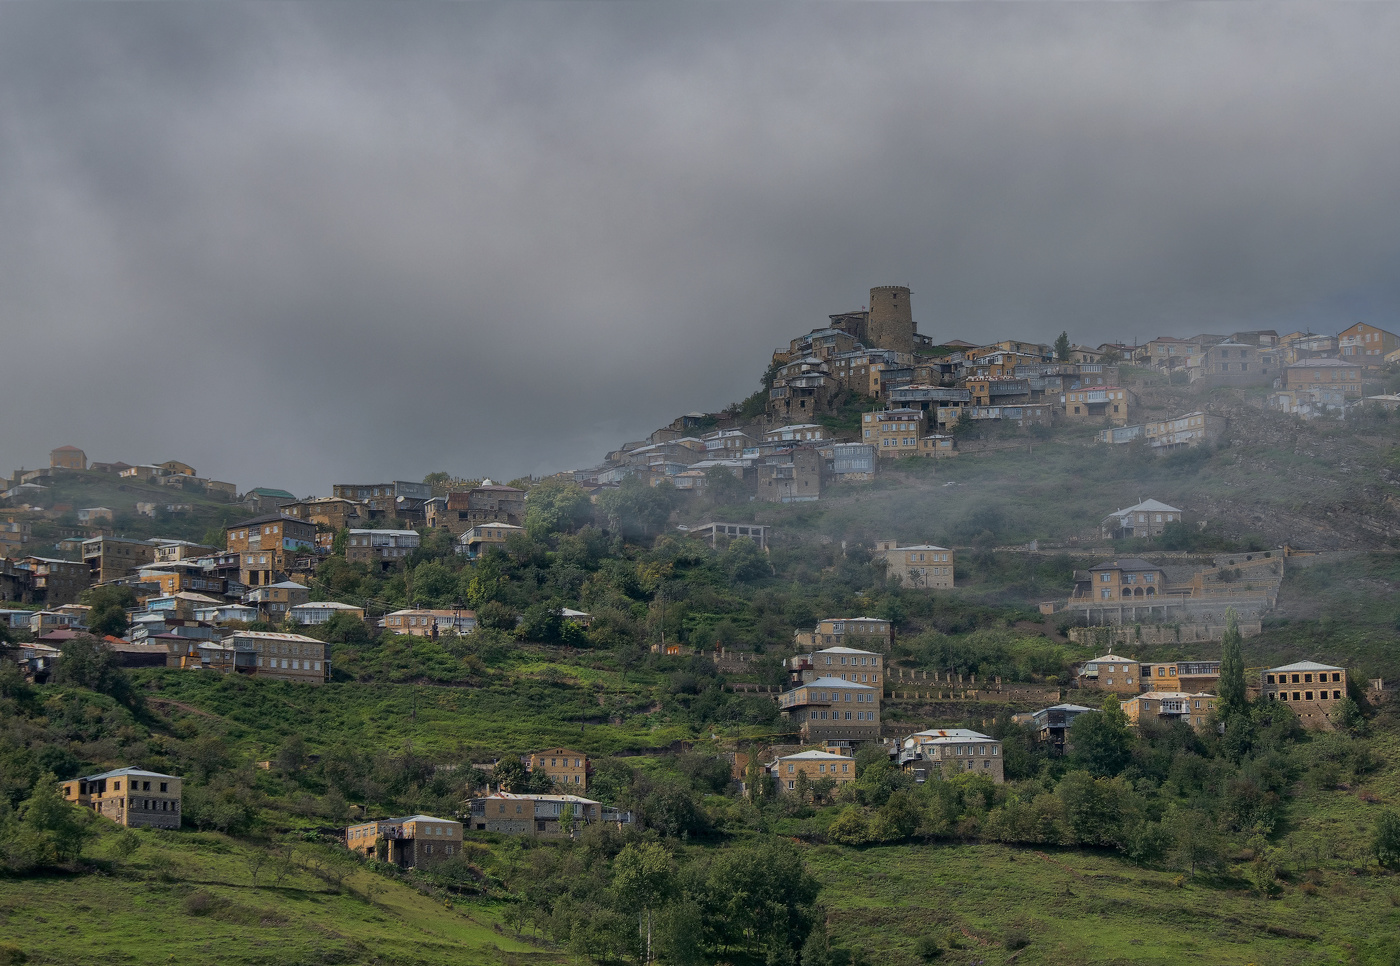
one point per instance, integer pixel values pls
(494, 615)
(642, 876)
(1062, 347)
(744, 562)
(88, 663)
(510, 775)
(433, 583)
(1233, 699)
(1102, 742)
(57, 828)
(109, 605)
(1195, 841)
(636, 509)
(1385, 841)
(556, 506)
(722, 486)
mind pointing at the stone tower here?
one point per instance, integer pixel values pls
(891, 323)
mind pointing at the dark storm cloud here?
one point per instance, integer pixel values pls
(299, 244)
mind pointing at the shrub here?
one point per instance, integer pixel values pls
(927, 948)
(199, 903)
(1016, 938)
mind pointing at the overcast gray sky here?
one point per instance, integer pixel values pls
(301, 244)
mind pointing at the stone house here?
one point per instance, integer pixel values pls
(489, 503)
(921, 566)
(483, 536)
(67, 458)
(336, 513)
(569, 769)
(816, 765)
(108, 558)
(828, 707)
(848, 632)
(1190, 676)
(795, 477)
(320, 611)
(1310, 689)
(54, 582)
(1235, 363)
(384, 549)
(1366, 344)
(894, 433)
(1112, 672)
(267, 546)
(281, 657)
(1052, 724)
(1098, 403)
(129, 796)
(1168, 707)
(542, 815)
(1145, 519)
(386, 500)
(425, 622)
(949, 751)
(1319, 375)
(411, 842)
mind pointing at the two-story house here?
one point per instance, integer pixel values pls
(383, 549)
(1169, 706)
(129, 796)
(949, 751)
(1325, 375)
(1112, 672)
(1190, 676)
(109, 558)
(275, 601)
(282, 657)
(919, 566)
(410, 842)
(894, 433)
(1366, 344)
(815, 765)
(849, 632)
(1098, 403)
(568, 769)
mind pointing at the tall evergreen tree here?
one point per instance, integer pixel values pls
(1062, 348)
(1233, 699)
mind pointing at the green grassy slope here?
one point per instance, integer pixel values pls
(189, 898)
(980, 901)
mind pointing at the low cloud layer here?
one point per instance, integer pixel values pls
(302, 244)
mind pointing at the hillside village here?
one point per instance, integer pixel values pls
(659, 555)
